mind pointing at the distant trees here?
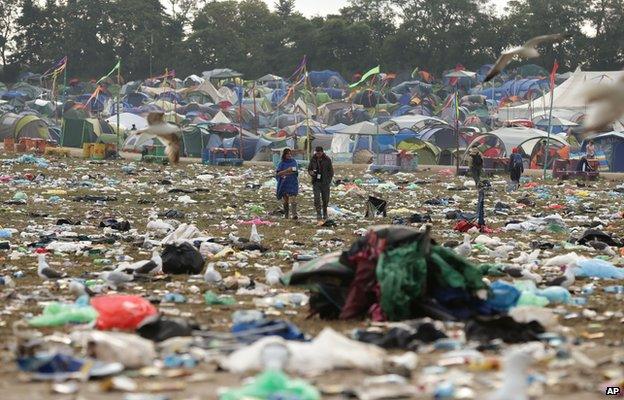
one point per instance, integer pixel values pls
(192, 36)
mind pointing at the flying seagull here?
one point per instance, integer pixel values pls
(607, 105)
(166, 132)
(527, 50)
(45, 271)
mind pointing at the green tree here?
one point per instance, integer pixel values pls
(284, 8)
(531, 18)
(9, 10)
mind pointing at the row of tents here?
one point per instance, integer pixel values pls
(217, 109)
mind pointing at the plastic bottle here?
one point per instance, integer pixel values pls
(5, 233)
(102, 261)
(273, 275)
(174, 298)
(588, 289)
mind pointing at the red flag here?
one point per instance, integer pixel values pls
(552, 75)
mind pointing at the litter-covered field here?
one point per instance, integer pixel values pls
(217, 286)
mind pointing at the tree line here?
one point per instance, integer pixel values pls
(190, 36)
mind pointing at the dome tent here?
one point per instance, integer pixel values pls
(23, 125)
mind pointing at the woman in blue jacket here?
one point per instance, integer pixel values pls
(287, 175)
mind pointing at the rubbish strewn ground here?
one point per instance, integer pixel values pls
(221, 202)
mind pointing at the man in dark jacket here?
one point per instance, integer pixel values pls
(321, 171)
(476, 166)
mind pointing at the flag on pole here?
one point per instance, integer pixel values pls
(364, 77)
(58, 67)
(553, 75)
(115, 68)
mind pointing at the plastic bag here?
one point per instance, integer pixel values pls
(57, 314)
(121, 312)
(274, 385)
(128, 349)
(182, 259)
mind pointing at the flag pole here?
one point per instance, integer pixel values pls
(552, 100)
(456, 134)
(64, 88)
(552, 96)
(118, 94)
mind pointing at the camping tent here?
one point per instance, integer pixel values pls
(428, 153)
(567, 96)
(612, 145)
(514, 136)
(126, 120)
(415, 122)
(76, 132)
(23, 125)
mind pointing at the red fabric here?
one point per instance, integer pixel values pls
(361, 294)
(464, 226)
(121, 312)
(553, 75)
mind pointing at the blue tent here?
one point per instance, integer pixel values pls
(519, 87)
(442, 136)
(326, 79)
(612, 145)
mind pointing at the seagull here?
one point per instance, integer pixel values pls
(153, 266)
(608, 105)
(523, 272)
(79, 289)
(527, 50)
(211, 275)
(116, 279)
(166, 132)
(602, 247)
(45, 271)
(566, 280)
(464, 249)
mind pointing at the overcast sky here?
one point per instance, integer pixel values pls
(324, 7)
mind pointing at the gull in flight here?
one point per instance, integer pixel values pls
(606, 105)
(166, 132)
(527, 51)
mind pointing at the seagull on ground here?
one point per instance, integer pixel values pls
(45, 271)
(464, 249)
(526, 51)
(566, 280)
(116, 279)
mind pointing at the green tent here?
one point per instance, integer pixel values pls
(23, 125)
(76, 132)
(194, 140)
(428, 153)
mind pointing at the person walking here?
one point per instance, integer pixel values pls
(516, 168)
(287, 175)
(476, 166)
(321, 171)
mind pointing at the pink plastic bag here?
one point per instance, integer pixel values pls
(121, 311)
